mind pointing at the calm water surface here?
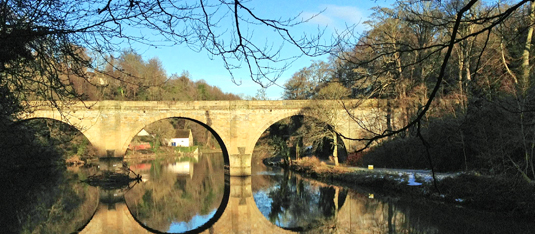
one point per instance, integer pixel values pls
(178, 195)
(192, 194)
(296, 203)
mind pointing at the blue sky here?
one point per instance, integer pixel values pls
(337, 13)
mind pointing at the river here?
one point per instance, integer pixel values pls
(193, 194)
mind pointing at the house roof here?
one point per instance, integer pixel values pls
(143, 132)
(182, 133)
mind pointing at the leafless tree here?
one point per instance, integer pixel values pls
(416, 34)
(44, 43)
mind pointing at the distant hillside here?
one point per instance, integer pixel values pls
(129, 77)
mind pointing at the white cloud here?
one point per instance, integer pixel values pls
(349, 14)
(335, 16)
(321, 19)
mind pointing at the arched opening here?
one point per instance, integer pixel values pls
(183, 164)
(285, 198)
(44, 193)
(297, 137)
(171, 133)
(48, 141)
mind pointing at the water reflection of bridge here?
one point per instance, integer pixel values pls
(241, 215)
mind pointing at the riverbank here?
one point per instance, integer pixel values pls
(169, 151)
(494, 194)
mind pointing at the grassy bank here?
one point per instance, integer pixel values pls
(494, 194)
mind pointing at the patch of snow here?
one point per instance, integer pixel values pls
(412, 181)
(270, 173)
(459, 200)
(428, 178)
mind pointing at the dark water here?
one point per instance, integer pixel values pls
(191, 195)
(46, 200)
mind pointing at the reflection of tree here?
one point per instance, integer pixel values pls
(55, 203)
(298, 205)
(360, 214)
(392, 216)
(327, 203)
(171, 198)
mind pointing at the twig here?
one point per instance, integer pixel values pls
(427, 146)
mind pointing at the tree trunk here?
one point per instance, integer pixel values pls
(335, 151)
(297, 149)
(335, 200)
(524, 87)
(524, 79)
(460, 77)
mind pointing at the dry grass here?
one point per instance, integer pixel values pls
(313, 164)
(310, 162)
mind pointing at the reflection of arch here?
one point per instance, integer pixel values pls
(243, 215)
(339, 197)
(237, 213)
(219, 212)
(90, 218)
(170, 116)
(342, 199)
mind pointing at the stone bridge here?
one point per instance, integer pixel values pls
(111, 125)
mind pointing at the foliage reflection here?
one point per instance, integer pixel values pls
(48, 200)
(178, 195)
(296, 203)
(299, 205)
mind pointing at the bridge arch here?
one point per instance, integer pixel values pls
(57, 119)
(61, 120)
(206, 124)
(269, 120)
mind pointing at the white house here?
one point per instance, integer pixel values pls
(183, 137)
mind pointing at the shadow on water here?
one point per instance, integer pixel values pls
(40, 194)
(46, 200)
(305, 205)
